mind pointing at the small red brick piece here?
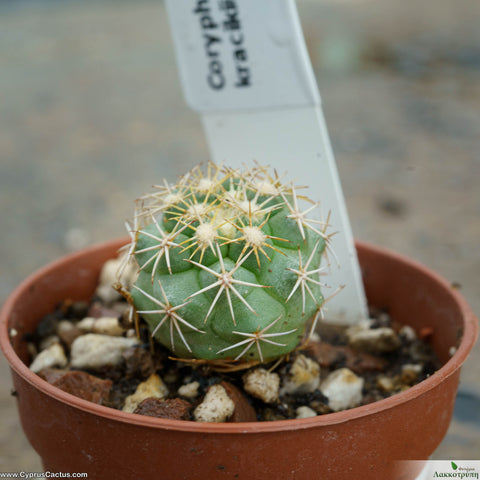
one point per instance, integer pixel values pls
(359, 362)
(80, 384)
(425, 333)
(244, 412)
(174, 409)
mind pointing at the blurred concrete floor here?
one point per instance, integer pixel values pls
(91, 114)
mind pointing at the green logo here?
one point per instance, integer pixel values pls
(454, 465)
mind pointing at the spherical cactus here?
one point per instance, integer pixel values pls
(229, 266)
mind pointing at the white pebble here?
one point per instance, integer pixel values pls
(374, 340)
(411, 372)
(65, 326)
(53, 356)
(131, 333)
(360, 326)
(94, 350)
(303, 377)
(216, 407)
(49, 341)
(153, 387)
(386, 384)
(315, 337)
(189, 390)
(130, 272)
(108, 326)
(412, 368)
(86, 324)
(107, 293)
(305, 412)
(109, 276)
(343, 389)
(262, 384)
(408, 333)
(32, 349)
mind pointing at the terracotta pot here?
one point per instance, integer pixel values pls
(72, 435)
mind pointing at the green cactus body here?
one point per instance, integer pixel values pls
(229, 267)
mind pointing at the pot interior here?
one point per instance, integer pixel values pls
(415, 296)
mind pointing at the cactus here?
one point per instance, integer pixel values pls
(229, 265)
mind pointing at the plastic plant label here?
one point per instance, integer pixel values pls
(230, 53)
(245, 69)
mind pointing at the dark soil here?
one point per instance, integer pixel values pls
(384, 374)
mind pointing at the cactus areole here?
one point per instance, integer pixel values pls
(229, 265)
